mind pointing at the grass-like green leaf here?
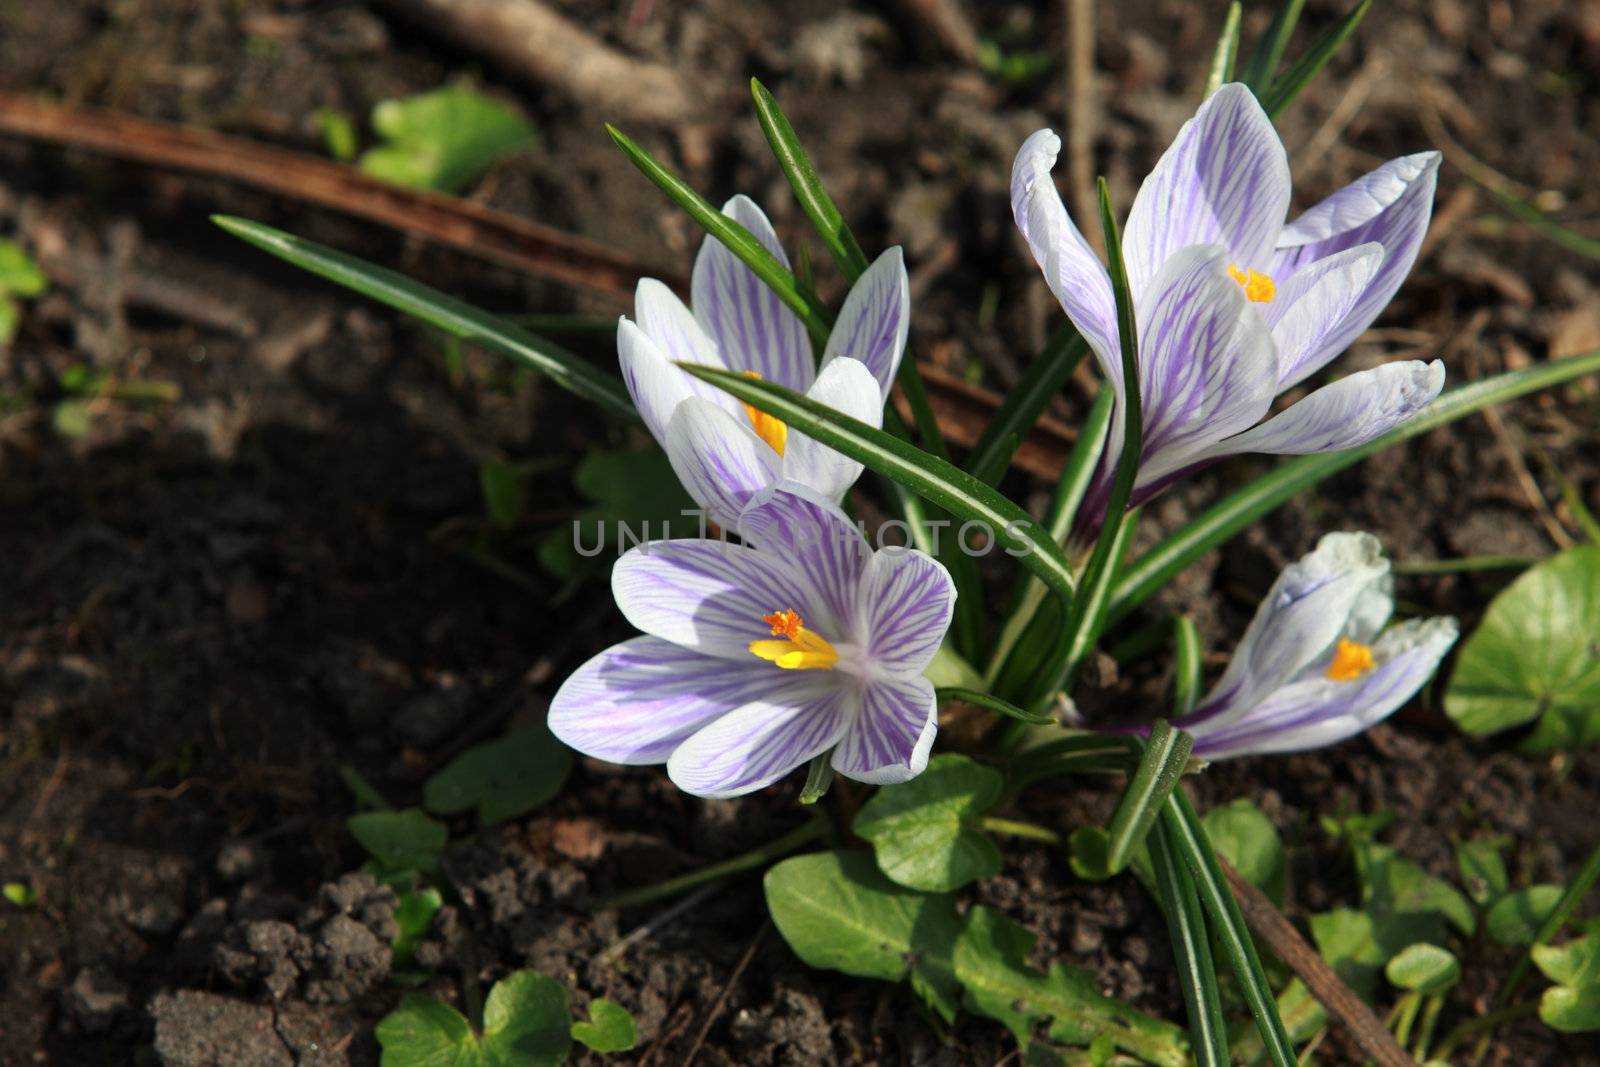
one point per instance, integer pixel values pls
(1226, 921)
(808, 189)
(1191, 947)
(1188, 659)
(1298, 76)
(930, 477)
(1264, 59)
(1166, 754)
(740, 241)
(992, 703)
(1227, 50)
(1235, 512)
(455, 317)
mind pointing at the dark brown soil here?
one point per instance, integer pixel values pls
(213, 603)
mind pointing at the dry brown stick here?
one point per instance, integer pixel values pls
(1270, 925)
(460, 224)
(964, 410)
(1525, 479)
(949, 24)
(530, 40)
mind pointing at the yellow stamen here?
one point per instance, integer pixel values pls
(1257, 287)
(773, 431)
(799, 649)
(1351, 660)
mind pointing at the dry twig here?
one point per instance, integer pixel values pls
(530, 40)
(1270, 925)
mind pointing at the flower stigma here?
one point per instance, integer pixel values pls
(1258, 287)
(1351, 660)
(797, 648)
(771, 429)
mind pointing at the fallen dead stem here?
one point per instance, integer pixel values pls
(1342, 1003)
(963, 410)
(447, 220)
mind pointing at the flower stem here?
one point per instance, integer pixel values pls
(756, 857)
(1020, 829)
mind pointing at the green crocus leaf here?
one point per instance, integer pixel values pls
(838, 911)
(525, 1024)
(1516, 917)
(442, 139)
(1392, 884)
(502, 779)
(609, 1029)
(925, 831)
(1357, 944)
(1247, 839)
(1576, 963)
(1536, 656)
(1423, 967)
(400, 840)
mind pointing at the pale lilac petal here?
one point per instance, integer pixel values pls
(847, 386)
(1075, 275)
(1312, 304)
(889, 740)
(1390, 206)
(1347, 413)
(667, 322)
(755, 745)
(1304, 614)
(710, 595)
(906, 599)
(809, 536)
(636, 702)
(656, 386)
(1207, 368)
(753, 329)
(873, 323)
(719, 459)
(1224, 181)
(1319, 711)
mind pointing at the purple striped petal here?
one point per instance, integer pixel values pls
(815, 543)
(906, 600)
(1224, 181)
(1313, 304)
(1207, 367)
(1347, 413)
(1304, 614)
(753, 328)
(719, 460)
(845, 385)
(755, 745)
(1391, 206)
(636, 702)
(889, 740)
(656, 386)
(1075, 275)
(1319, 711)
(710, 595)
(873, 323)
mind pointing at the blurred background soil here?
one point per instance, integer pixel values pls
(215, 598)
